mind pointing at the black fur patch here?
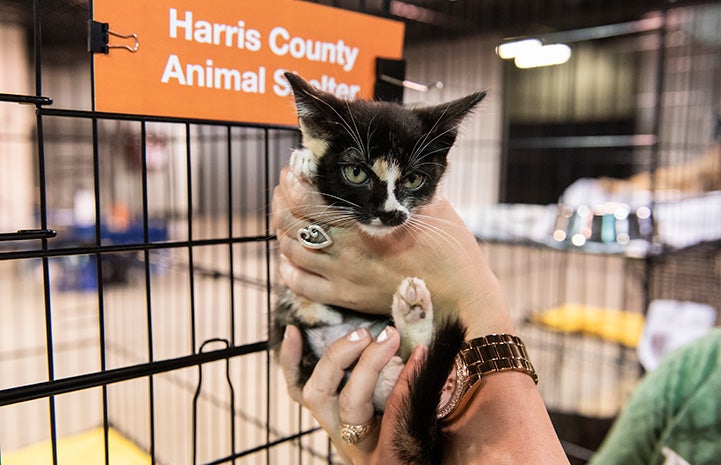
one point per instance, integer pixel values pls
(362, 132)
(417, 439)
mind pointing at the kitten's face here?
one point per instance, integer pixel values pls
(378, 162)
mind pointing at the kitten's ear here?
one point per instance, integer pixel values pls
(442, 121)
(317, 110)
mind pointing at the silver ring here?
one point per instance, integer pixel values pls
(314, 237)
(353, 434)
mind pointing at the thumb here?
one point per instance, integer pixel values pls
(392, 417)
(291, 351)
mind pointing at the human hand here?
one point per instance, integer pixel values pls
(361, 272)
(353, 404)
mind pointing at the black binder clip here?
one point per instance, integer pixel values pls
(99, 38)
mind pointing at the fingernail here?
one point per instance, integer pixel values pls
(385, 334)
(354, 336)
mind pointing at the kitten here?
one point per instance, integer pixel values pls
(376, 164)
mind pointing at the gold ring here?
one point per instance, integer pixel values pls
(353, 434)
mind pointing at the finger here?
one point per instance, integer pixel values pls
(283, 219)
(314, 260)
(356, 399)
(291, 351)
(400, 390)
(299, 197)
(320, 391)
(313, 287)
(392, 415)
(300, 193)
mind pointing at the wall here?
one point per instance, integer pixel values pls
(464, 66)
(16, 149)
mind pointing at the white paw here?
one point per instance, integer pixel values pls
(304, 163)
(413, 314)
(387, 378)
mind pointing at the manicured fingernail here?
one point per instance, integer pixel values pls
(354, 336)
(385, 334)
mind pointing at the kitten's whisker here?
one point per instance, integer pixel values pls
(448, 238)
(440, 220)
(415, 152)
(427, 154)
(428, 239)
(420, 150)
(431, 163)
(369, 134)
(354, 135)
(348, 202)
(355, 126)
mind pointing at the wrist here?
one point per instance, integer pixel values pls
(478, 359)
(482, 305)
(487, 313)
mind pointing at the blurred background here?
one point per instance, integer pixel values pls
(137, 264)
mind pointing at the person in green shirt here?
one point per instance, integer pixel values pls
(674, 415)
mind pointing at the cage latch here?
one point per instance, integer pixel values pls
(28, 234)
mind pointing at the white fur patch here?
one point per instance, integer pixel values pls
(389, 173)
(412, 312)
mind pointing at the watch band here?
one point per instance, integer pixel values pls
(477, 358)
(495, 353)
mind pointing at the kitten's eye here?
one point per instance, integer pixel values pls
(355, 174)
(413, 181)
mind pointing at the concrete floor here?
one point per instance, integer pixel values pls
(578, 374)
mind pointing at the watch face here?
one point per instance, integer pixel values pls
(449, 388)
(453, 389)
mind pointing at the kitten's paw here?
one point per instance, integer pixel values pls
(413, 314)
(412, 301)
(304, 163)
(387, 379)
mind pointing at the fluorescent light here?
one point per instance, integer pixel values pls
(545, 55)
(512, 49)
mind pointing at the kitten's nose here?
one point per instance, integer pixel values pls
(392, 218)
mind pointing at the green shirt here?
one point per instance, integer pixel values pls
(675, 411)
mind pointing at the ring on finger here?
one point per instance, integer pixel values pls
(353, 434)
(314, 236)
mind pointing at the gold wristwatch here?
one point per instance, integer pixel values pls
(478, 358)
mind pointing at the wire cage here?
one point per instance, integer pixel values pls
(136, 270)
(625, 130)
(137, 262)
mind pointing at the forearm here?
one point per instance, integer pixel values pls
(506, 422)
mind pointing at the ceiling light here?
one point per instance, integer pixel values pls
(512, 49)
(545, 55)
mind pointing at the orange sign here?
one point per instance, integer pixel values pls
(224, 59)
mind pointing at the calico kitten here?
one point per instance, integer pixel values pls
(376, 163)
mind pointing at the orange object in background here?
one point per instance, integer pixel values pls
(224, 59)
